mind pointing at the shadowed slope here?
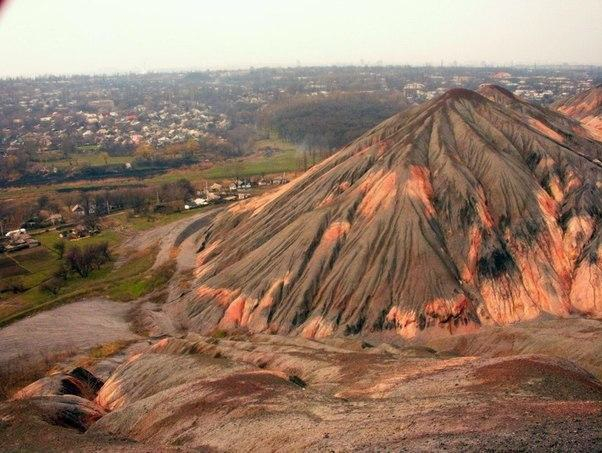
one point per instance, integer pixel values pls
(452, 214)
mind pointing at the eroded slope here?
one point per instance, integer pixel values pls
(454, 214)
(585, 107)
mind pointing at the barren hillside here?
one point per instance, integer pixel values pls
(462, 212)
(585, 107)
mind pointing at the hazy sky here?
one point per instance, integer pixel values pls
(89, 36)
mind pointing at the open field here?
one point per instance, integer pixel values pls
(129, 276)
(83, 324)
(142, 223)
(93, 159)
(285, 158)
(37, 263)
(107, 280)
(31, 267)
(90, 155)
(49, 238)
(10, 267)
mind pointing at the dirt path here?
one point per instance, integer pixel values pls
(73, 327)
(166, 236)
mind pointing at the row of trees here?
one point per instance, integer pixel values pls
(15, 162)
(235, 143)
(27, 159)
(96, 203)
(138, 199)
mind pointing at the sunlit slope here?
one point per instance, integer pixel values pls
(460, 212)
(585, 107)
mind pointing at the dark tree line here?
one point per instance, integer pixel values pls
(330, 121)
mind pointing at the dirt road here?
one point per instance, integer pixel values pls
(167, 236)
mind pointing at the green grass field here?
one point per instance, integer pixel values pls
(91, 155)
(31, 267)
(129, 281)
(10, 267)
(142, 222)
(91, 159)
(49, 238)
(285, 159)
(140, 279)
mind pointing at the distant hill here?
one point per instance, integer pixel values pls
(585, 107)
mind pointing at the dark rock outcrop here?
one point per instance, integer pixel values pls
(78, 382)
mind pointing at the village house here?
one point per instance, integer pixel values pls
(78, 232)
(196, 203)
(18, 240)
(80, 210)
(280, 180)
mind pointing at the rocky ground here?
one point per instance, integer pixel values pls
(272, 393)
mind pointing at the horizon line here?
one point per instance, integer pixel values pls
(562, 65)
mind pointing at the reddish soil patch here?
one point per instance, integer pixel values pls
(542, 378)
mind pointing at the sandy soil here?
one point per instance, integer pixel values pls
(166, 236)
(271, 393)
(73, 327)
(578, 340)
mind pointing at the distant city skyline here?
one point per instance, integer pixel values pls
(111, 36)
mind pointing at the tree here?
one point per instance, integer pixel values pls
(52, 285)
(190, 148)
(145, 151)
(59, 248)
(43, 202)
(14, 164)
(330, 121)
(67, 146)
(241, 137)
(182, 189)
(30, 148)
(173, 151)
(83, 260)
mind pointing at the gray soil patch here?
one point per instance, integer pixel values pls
(73, 327)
